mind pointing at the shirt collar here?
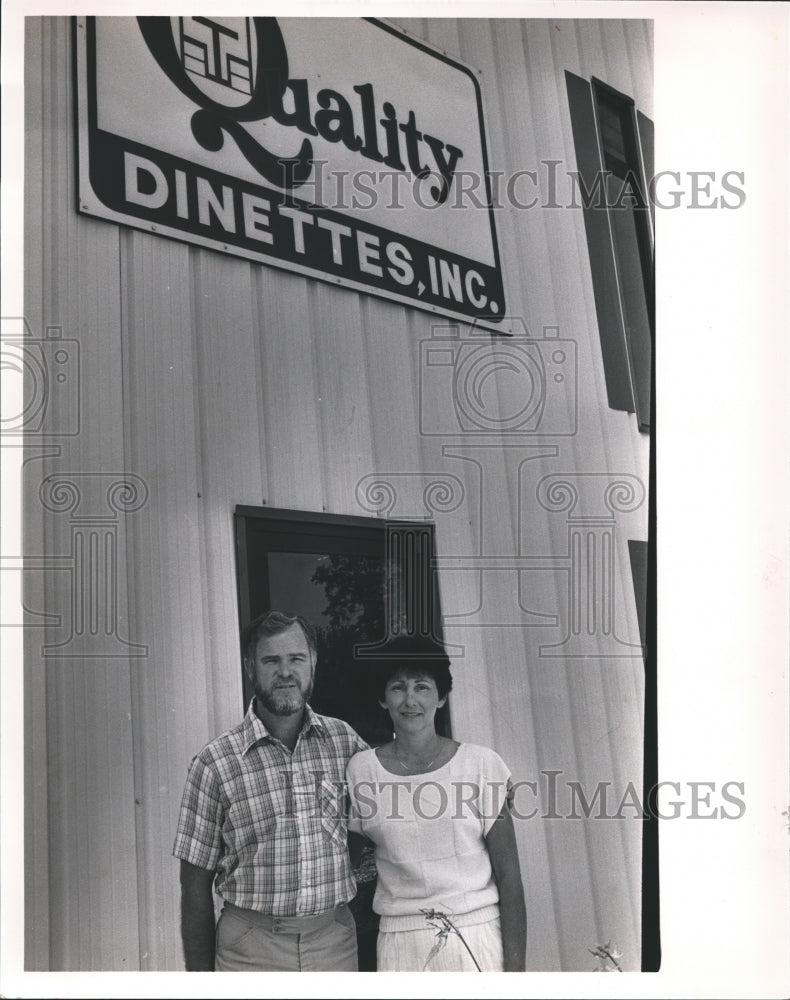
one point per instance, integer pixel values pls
(254, 730)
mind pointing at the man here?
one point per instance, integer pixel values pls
(263, 821)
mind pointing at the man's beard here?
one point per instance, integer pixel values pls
(284, 701)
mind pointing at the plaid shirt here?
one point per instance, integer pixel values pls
(270, 822)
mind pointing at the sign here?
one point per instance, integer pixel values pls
(335, 147)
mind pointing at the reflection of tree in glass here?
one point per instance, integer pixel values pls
(354, 589)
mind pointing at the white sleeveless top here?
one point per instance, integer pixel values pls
(429, 834)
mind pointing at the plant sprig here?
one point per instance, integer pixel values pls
(606, 953)
(444, 927)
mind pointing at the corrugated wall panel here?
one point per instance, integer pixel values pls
(37, 872)
(243, 384)
(599, 691)
(173, 700)
(226, 365)
(638, 42)
(91, 827)
(289, 389)
(339, 362)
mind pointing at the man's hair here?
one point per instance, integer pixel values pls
(273, 623)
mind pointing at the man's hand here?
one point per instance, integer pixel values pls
(197, 918)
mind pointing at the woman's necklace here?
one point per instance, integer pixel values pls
(418, 767)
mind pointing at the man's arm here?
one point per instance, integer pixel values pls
(501, 843)
(197, 917)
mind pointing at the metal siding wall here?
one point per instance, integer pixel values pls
(338, 357)
(219, 382)
(171, 687)
(89, 731)
(36, 744)
(226, 350)
(289, 390)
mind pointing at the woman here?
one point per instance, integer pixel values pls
(449, 884)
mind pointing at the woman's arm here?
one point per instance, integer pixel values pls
(503, 851)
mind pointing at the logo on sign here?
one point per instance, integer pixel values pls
(211, 64)
(236, 71)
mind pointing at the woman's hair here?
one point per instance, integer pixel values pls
(410, 654)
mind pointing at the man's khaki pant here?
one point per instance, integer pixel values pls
(248, 941)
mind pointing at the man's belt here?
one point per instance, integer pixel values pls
(285, 925)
